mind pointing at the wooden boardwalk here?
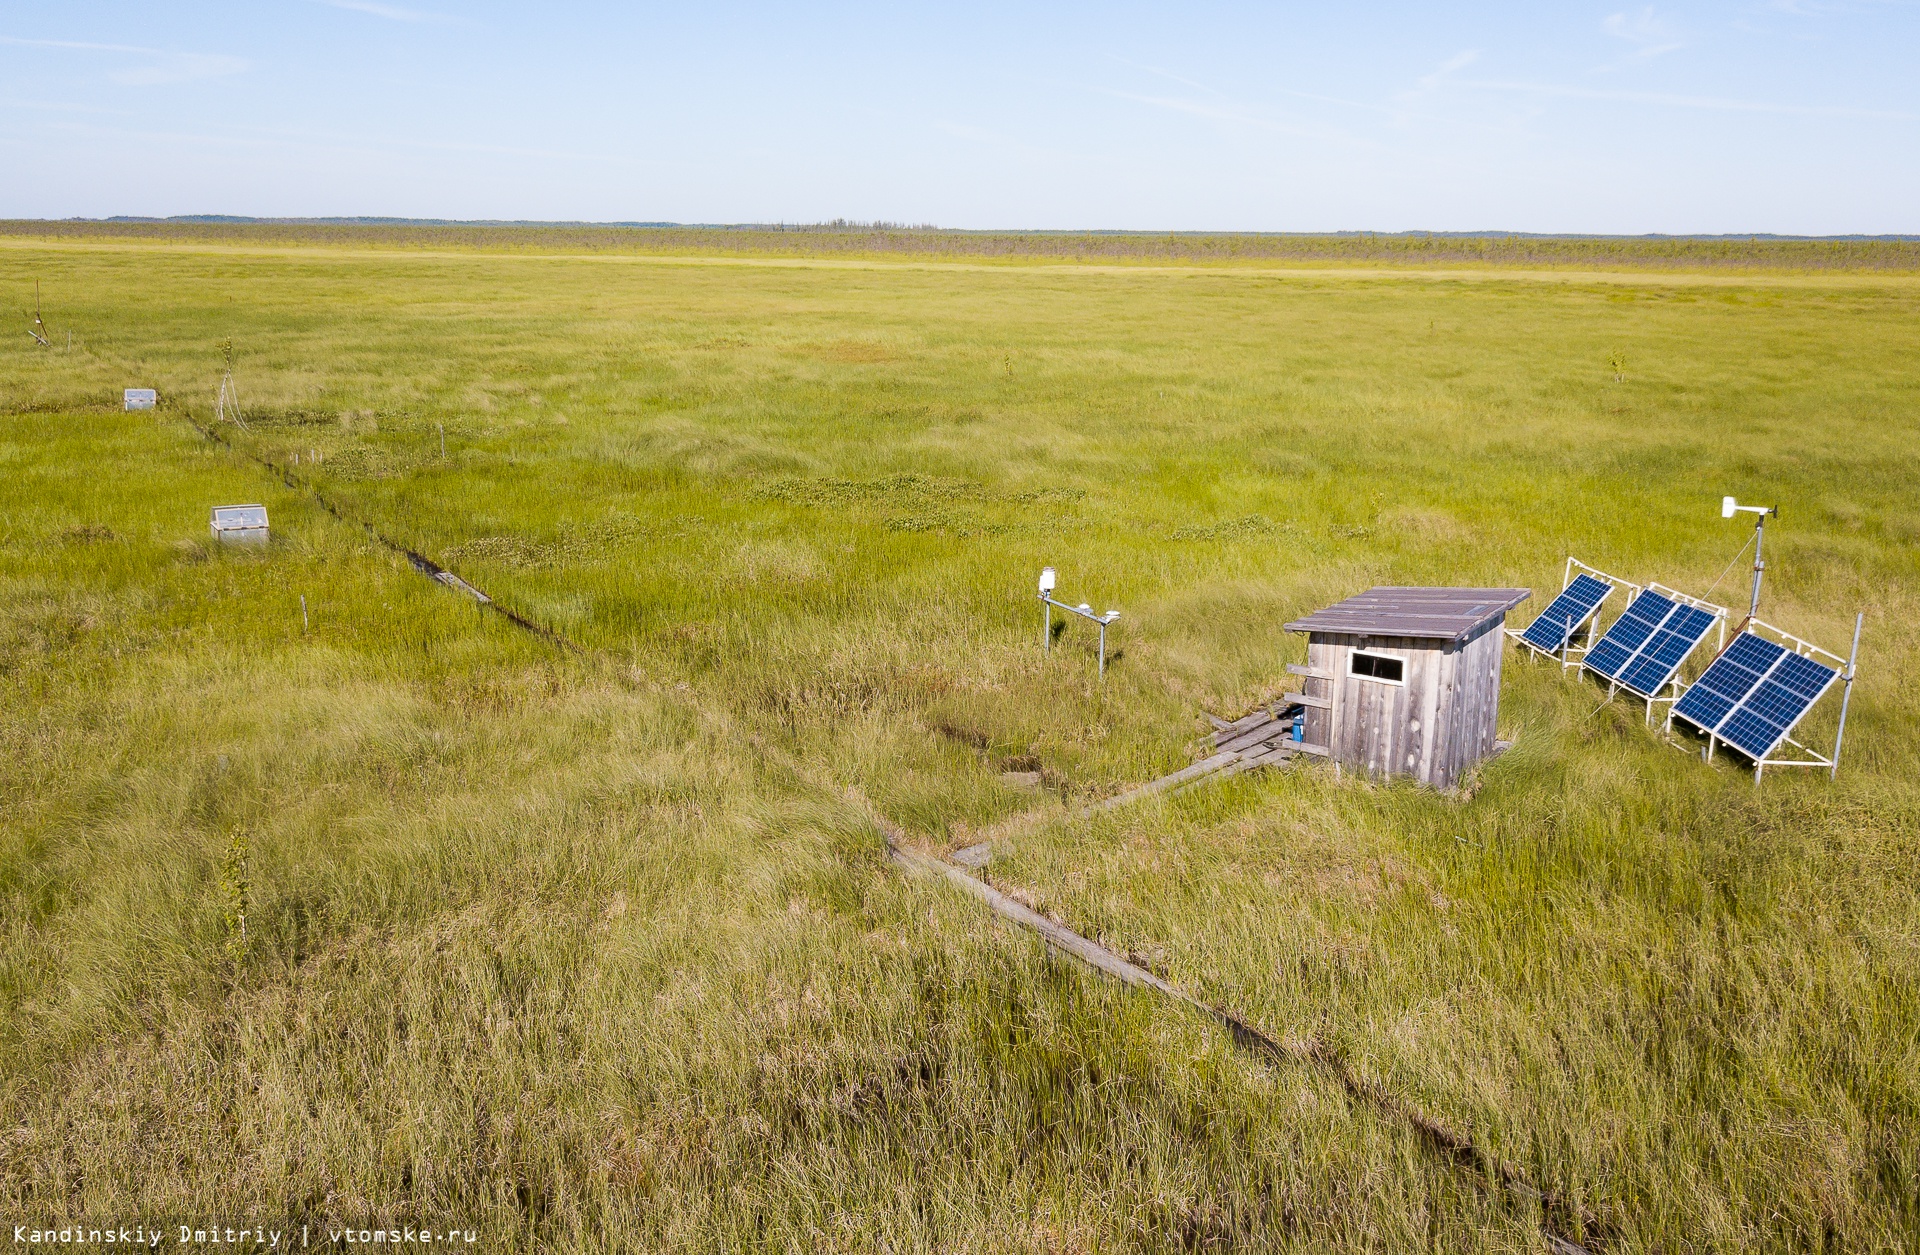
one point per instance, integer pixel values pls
(1262, 739)
(1558, 1215)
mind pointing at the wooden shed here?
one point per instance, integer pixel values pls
(1406, 681)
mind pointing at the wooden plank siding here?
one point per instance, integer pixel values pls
(1434, 725)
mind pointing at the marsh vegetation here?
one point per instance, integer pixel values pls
(597, 946)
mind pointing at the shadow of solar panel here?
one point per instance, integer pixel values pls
(1723, 686)
(1649, 670)
(1629, 632)
(1560, 620)
(1777, 703)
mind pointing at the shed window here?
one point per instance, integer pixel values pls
(1382, 667)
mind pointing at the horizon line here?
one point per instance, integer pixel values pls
(844, 224)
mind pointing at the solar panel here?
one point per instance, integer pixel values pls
(1563, 617)
(1754, 693)
(1650, 669)
(1621, 642)
(1726, 683)
(1776, 704)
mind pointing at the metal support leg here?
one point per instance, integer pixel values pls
(1846, 695)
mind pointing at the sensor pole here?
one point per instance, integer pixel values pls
(1730, 507)
(1047, 581)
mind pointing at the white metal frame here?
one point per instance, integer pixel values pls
(1848, 668)
(1678, 687)
(1101, 621)
(1570, 654)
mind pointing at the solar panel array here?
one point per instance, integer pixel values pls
(1750, 697)
(1754, 693)
(1563, 617)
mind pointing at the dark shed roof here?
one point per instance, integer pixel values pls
(1446, 614)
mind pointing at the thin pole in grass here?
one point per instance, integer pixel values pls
(38, 328)
(305, 623)
(443, 440)
(227, 403)
(1046, 599)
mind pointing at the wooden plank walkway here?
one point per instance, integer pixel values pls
(1460, 1148)
(1261, 739)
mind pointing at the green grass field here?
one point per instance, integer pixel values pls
(400, 911)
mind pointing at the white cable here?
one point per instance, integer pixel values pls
(1729, 567)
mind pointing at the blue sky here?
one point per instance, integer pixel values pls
(1791, 116)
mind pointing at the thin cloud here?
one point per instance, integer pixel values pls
(275, 140)
(167, 66)
(1406, 101)
(1222, 96)
(1650, 32)
(1450, 67)
(993, 139)
(1169, 74)
(391, 12)
(1198, 109)
(182, 67)
(1817, 8)
(54, 106)
(1229, 113)
(961, 130)
(1834, 8)
(1716, 103)
(397, 143)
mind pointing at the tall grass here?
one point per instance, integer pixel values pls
(566, 945)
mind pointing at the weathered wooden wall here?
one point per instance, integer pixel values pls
(1470, 706)
(1434, 727)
